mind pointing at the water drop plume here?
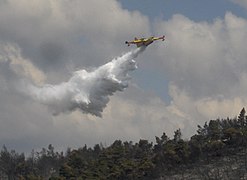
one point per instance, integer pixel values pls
(87, 91)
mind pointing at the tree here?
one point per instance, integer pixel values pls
(12, 164)
(177, 135)
(242, 118)
(214, 130)
(48, 162)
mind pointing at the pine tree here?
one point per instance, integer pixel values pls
(242, 118)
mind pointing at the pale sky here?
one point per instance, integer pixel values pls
(198, 73)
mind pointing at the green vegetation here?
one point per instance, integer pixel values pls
(167, 157)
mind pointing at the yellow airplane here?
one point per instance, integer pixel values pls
(144, 41)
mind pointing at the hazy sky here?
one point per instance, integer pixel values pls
(193, 9)
(198, 73)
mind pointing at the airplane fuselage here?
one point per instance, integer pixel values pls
(144, 43)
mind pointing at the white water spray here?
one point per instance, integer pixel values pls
(88, 91)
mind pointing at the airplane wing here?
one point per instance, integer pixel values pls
(158, 38)
(144, 41)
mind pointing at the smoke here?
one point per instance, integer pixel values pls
(14, 68)
(87, 91)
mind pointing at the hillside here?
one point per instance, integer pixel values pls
(217, 151)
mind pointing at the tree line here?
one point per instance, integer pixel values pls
(128, 160)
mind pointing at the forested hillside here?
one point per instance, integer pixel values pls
(217, 151)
